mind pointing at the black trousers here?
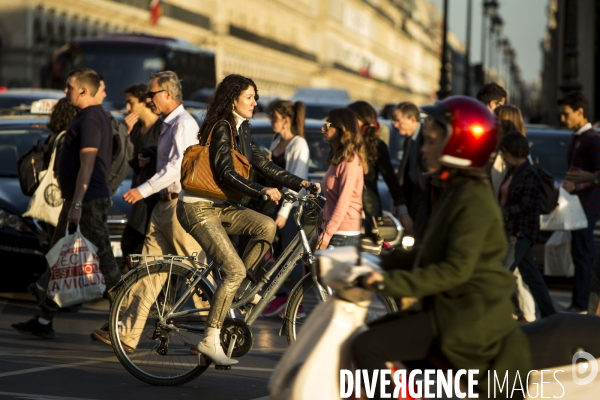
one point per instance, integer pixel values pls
(532, 276)
(393, 339)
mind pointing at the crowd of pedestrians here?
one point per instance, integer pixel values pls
(168, 219)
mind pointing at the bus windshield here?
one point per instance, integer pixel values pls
(123, 60)
(122, 67)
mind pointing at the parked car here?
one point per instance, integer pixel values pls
(319, 101)
(19, 100)
(263, 134)
(24, 241)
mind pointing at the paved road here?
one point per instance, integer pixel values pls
(72, 366)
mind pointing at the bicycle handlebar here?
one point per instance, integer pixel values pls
(292, 198)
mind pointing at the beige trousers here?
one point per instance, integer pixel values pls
(165, 236)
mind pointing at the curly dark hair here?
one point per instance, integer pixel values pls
(370, 128)
(63, 113)
(220, 106)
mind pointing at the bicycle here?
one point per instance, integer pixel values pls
(160, 293)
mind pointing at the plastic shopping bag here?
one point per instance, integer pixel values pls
(557, 255)
(47, 200)
(75, 267)
(568, 215)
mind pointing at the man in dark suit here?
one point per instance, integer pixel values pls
(410, 174)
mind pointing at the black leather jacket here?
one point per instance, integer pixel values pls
(222, 163)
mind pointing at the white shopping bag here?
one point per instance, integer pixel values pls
(568, 215)
(47, 200)
(557, 255)
(75, 267)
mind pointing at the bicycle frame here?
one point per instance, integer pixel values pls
(298, 249)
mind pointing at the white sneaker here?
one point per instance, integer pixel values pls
(210, 346)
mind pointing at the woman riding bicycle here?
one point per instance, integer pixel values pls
(210, 220)
(467, 310)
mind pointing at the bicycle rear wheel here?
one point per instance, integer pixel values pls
(305, 297)
(140, 320)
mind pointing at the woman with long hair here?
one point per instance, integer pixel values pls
(509, 119)
(344, 180)
(211, 220)
(520, 197)
(62, 114)
(289, 150)
(466, 314)
(378, 160)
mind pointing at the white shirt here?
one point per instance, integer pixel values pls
(584, 128)
(179, 131)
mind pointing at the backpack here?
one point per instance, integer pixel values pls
(122, 152)
(549, 198)
(29, 165)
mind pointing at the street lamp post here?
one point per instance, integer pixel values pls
(445, 84)
(570, 67)
(467, 89)
(490, 7)
(495, 29)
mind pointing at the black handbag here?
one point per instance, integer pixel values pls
(549, 198)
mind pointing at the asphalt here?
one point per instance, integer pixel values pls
(72, 366)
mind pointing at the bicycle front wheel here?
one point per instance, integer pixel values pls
(305, 298)
(154, 345)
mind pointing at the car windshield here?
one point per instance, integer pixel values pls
(319, 111)
(16, 101)
(551, 151)
(13, 143)
(319, 149)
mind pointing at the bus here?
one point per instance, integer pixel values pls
(125, 59)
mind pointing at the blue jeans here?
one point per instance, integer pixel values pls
(583, 252)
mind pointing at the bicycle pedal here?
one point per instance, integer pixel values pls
(223, 367)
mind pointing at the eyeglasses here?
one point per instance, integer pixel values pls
(326, 126)
(150, 95)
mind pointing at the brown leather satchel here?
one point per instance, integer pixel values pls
(197, 175)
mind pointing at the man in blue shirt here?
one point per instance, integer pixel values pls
(84, 170)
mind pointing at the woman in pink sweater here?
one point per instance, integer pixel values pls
(343, 182)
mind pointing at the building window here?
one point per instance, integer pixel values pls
(38, 37)
(49, 32)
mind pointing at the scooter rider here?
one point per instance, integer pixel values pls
(467, 310)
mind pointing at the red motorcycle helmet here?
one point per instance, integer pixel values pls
(472, 133)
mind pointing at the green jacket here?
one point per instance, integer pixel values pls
(469, 291)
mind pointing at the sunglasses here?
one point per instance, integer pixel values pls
(150, 95)
(327, 125)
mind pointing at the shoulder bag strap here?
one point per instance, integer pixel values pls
(209, 137)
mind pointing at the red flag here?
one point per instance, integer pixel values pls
(155, 11)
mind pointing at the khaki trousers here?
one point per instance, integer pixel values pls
(165, 236)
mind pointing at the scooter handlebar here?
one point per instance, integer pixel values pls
(359, 282)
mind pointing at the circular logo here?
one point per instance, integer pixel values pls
(580, 369)
(53, 195)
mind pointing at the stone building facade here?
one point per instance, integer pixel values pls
(382, 51)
